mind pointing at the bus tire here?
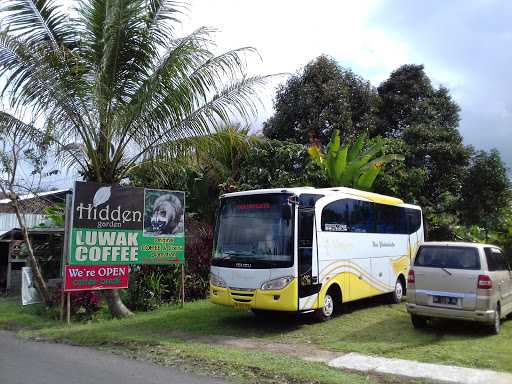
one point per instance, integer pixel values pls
(398, 293)
(331, 304)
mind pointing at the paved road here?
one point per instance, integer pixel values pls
(24, 362)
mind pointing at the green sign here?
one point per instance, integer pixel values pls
(114, 224)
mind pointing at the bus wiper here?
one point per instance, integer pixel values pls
(447, 271)
(237, 253)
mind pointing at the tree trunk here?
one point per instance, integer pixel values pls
(36, 270)
(115, 304)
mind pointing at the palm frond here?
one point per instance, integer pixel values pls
(238, 99)
(39, 21)
(129, 86)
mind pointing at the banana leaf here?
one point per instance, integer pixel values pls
(340, 163)
(368, 177)
(356, 148)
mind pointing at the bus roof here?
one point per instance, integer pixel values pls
(375, 197)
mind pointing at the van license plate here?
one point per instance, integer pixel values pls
(445, 300)
(242, 306)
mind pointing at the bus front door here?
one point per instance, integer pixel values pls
(307, 260)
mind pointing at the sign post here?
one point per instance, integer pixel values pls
(115, 226)
(65, 250)
(118, 225)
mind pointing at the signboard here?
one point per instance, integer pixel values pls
(29, 293)
(87, 277)
(114, 224)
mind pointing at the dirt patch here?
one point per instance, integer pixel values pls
(305, 352)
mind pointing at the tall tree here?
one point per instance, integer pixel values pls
(19, 153)
(485, 191)
(324, 97)
(408, 99)
(203, 166)
(425, 120)
(115, 84)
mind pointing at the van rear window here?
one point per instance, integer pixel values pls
(447, 257)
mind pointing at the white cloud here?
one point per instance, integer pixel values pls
(288, 34)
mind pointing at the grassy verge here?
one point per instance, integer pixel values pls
(148, 336)
(369, 327)
(15, 317)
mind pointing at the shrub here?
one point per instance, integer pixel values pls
(151, 285)
(198, 252)
(84, 304)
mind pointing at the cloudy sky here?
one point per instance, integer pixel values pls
(464, 45)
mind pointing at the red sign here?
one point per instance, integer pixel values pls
(254, 206)
(88, 277)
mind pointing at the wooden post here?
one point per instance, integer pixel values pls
(65, 254)
(9, 265)
(182, 284)
(62, 297)
(68, 312)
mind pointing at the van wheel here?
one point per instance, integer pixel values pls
(397, 295)
(496, 325)
(418, 322)
(327, 311)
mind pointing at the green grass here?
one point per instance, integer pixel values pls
(149, 336)
(369, 327)
(13, 316)
(252, 367)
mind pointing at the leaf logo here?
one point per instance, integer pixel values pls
(101, 196)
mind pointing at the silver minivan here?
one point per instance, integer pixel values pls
(464, 281)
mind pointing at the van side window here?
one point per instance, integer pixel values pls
(335, 216)
(495, 259)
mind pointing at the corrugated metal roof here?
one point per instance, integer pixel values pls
(32, 195)
(9, 221)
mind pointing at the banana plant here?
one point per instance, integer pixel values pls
(356, 165)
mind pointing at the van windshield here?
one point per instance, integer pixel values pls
(254, 231)
(448, 257)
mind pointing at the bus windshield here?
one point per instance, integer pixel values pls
(254, 231)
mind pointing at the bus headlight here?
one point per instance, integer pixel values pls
(276, 284)
(217, 281)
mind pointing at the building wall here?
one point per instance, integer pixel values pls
(9, 221)
(16, 279)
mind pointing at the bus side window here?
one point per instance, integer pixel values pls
(390, 219)
(362, 216)
(335, 216)
(413, 217)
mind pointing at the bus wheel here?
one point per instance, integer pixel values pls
(397, 295)
(327, 311)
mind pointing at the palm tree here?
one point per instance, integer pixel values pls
(113, 83)
(351, 165)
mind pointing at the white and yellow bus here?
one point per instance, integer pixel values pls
(307, 249)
